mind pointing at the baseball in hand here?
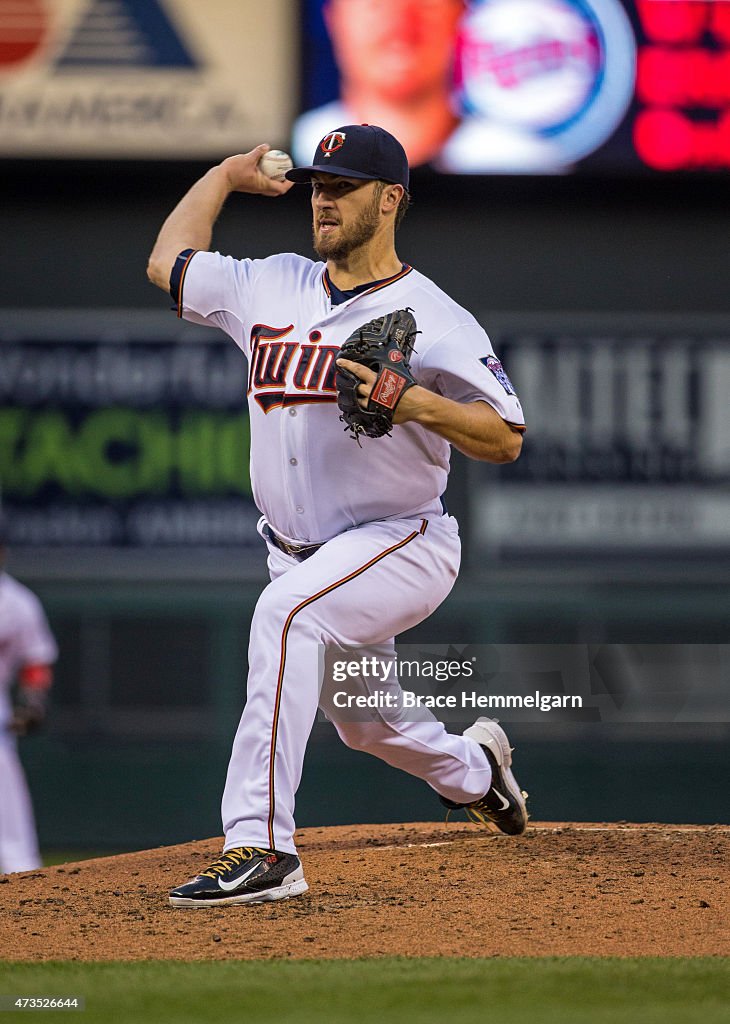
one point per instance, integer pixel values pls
(274, 164)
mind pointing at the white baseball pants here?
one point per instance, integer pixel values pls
(18, 842)
(361, 588)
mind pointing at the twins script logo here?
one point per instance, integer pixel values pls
(274, 361)
(559, 70)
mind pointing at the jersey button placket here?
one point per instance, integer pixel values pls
(295, 462)
(293, 425)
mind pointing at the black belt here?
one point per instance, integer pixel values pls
(298, 551)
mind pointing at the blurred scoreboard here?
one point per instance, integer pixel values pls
(541, 86)
(536, 86)
(683, 86)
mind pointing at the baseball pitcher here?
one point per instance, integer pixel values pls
(361, 375)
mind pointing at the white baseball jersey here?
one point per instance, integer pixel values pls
(25, 637)
(309, 477)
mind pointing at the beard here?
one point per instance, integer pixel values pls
(349, 239)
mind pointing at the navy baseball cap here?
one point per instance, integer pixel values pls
(357, 151)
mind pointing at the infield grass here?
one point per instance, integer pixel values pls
(377, 991)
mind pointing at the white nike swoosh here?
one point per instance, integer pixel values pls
(228, 886)
(505, 803)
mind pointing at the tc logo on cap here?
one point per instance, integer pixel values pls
(332, 142)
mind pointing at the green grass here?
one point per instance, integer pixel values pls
(568, 990)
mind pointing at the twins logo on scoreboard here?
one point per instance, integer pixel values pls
(562, 70)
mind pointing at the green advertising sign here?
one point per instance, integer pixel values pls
(139, 443)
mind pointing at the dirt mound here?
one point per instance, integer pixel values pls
(410, 890)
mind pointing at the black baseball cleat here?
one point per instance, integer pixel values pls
(504, 803)
(245, 874)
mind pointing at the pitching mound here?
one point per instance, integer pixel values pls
(410, 890)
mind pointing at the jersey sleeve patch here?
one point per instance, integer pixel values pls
(494, 366)
(177, 278)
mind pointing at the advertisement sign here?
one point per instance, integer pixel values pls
(136, 443)
(144, 78)
(627, 446)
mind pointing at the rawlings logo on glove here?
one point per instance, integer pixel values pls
(384, 345)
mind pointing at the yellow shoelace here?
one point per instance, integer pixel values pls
(479, 813)
(232, 859)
